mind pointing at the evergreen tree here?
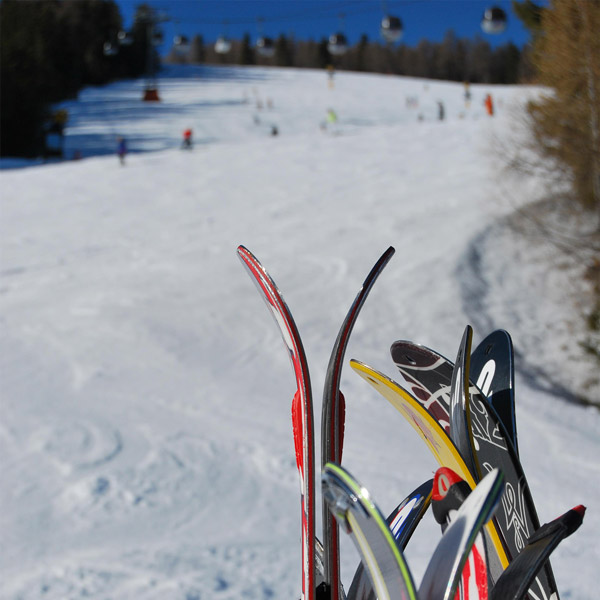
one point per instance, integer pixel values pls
(197, 50)
(246, 52)
(48, 50)
(283, 52)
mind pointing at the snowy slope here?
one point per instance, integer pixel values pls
(145, 435)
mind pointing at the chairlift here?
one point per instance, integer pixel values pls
(110, 49)
(265, 46)
(125, 38)
(494, 20)
(391, 29)
(222, 45)
(338, 44)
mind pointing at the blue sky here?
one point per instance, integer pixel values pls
(306, 19)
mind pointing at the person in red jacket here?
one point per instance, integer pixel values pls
(187, 139)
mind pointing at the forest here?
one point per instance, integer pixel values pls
(452, 59)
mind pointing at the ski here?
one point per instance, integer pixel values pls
(332, 426)
(492, 448)
(493, 372)
(439, 443)
(384, 561)
(402, 522)
(302, 413)
(449, 493)
(445, 569)
(461, 430)
(521, 573)
(358, 515)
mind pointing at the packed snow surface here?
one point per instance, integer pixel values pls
(145, 439)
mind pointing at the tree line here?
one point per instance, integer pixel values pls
(49, 50)
(452, 59)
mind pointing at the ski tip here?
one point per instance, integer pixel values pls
(580, 509)
(443, 480)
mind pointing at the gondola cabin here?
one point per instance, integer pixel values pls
(110, 49)
(494, 20)
(265, 47)
(222, 45)
(125, 38)
(391, 29)
(338, 44)
(182, 43)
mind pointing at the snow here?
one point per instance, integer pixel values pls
(145, 435)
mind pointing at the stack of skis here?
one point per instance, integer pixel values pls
(492, 544)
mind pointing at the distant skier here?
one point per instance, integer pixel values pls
(121, 149)
(441, 111)
(489, 105)
(187, 140)
(467, 94)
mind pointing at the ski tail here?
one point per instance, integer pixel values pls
(444, 571)
(521, 573)
(449, 493)
(402, 521)
(359, 516)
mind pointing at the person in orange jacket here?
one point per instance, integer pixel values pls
(489, 105)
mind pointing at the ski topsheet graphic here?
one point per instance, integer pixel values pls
(384, 561)
(493, 372)
(332, 423)
(491, 447)
(302, 413)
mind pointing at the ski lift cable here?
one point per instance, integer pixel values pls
(329, 12)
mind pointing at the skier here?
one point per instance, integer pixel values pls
(441, 111)
(121, 149)
(489, 105)
(187, 140)
(467, 94)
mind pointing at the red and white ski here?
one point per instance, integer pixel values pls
(302, 413)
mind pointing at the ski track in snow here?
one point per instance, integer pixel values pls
(145, 440)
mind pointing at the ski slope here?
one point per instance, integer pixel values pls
(145, 440)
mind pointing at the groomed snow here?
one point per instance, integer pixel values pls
(145, 440)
